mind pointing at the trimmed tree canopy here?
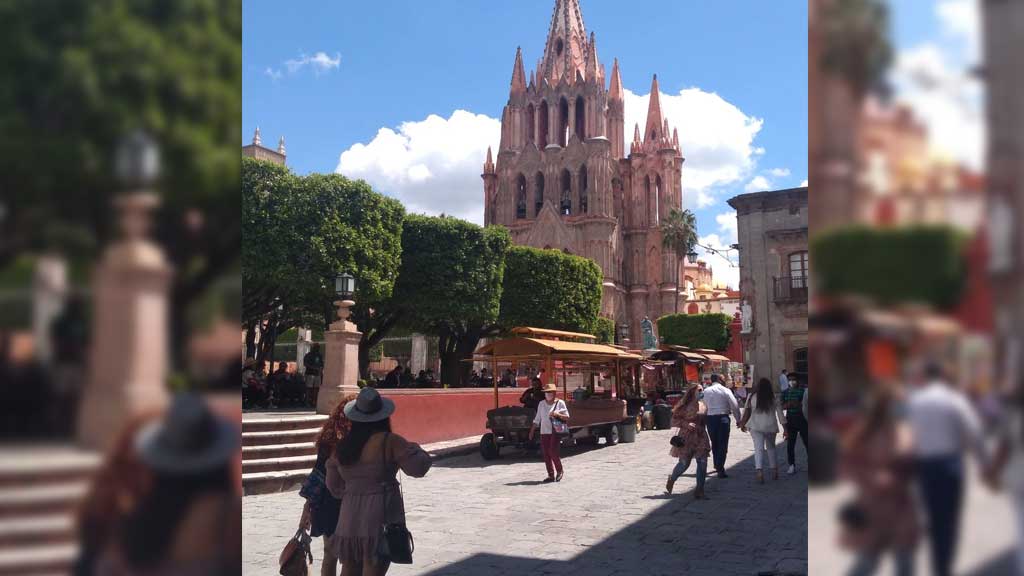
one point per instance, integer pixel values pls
(451, 270)
(695, 330)
(550, 289)
(605, 331)
(923, 264)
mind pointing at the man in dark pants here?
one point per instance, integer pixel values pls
(796, 420)
(945, 426)
(720, 403)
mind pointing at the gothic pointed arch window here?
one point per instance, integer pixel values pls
(542, 136)
(538, 193)
(657, 199)
(565, 186)
(531, 117)
(520, 197)
(647, 197)
(563, 122)
(581, 119)
(583, 185)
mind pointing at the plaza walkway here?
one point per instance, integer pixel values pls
(608, 516)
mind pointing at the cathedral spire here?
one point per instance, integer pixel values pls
(280, 146)
(654, 119)
(518, 77)
(592, 64)
(565, 49)
(256, 137)
(615, 91)
(489, 163)
(636, 145)
(675, 138)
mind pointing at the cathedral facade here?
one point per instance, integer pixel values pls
(562, 179)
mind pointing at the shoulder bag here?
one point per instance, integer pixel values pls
(395, 543)
(558, 426)
(296, 556)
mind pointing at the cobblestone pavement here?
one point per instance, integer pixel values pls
(987, 535)
(608, 516)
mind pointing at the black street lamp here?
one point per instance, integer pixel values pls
(137, 160)
(344, 286)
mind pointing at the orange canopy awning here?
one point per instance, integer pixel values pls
(558, 349)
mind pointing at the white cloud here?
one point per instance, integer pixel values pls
(319, 62)
(961, 21)
(803, 183)
(779, 172)
(716, 137)
(758, 184)
(432, 165)
(947, 100)
(727, 224)
(721, 269)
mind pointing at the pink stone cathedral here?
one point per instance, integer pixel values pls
(563, 180)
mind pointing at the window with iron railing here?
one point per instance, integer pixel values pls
(791, 289)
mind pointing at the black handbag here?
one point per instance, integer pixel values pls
(676, 441)
(395, 543)
(853, 516)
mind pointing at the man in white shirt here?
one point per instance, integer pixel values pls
(721, 403)
(945, 427)
(783, 380)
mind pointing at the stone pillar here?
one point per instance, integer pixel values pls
(128, 360)
(49, 290)
(419, 354)
(303, 343)
(341, 360)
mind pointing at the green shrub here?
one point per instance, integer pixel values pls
(605, 330)
(695, 330)
(550, 289)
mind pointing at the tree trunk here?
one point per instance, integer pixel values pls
(250, 340)
(447, 353)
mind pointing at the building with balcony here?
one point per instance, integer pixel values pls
(774, 280)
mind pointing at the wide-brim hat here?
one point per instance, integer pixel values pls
(369, 406)
(551, 388)
(189, 439)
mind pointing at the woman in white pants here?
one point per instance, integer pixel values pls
(762, 416)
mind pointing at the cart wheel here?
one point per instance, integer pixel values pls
(489, 447)
(611, 436)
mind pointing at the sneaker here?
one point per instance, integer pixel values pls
(791, 470)
(549, 479)
(558, 478)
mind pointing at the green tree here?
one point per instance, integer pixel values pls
(81, 75)
(857, 46)
(550, 289)
(605, 330)
(450, 285)
(300, 232)
(922, 264)
(695, 330)
(679, 234)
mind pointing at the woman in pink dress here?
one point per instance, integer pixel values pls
(689, 416)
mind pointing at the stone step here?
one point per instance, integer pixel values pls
(36, 530)
(278, 451)
(279, 464)
(31, 467)
(270, 482)
(37, 560)
(266, 424)
(49, 498)
(275, 437)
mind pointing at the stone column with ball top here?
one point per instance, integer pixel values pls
(341, 360)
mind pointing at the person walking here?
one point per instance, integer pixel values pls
(944, 428)
(361, 473)
(762, 416)
(796, 421)
(882, 517)
(720, 404)
(552, 418)
(313, 362)
(321, 510)
(533, 395)
(783, 380)
(1007, 470)
(689, 416)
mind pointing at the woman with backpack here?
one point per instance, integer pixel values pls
(321, 510)
(762, 416)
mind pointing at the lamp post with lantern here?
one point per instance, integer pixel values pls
(341, 356)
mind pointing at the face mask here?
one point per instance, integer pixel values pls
(700, 395)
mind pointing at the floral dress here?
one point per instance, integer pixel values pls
(696, 443)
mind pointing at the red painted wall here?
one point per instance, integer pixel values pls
(735, 350)
(436, 415)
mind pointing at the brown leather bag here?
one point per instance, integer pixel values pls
(293, 560)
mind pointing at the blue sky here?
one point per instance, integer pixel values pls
(365, 77)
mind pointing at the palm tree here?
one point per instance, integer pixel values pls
(857, 45)
(679, 234)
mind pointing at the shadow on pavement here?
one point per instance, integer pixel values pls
(511, 456)
(718, 536)
(1004, 564)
